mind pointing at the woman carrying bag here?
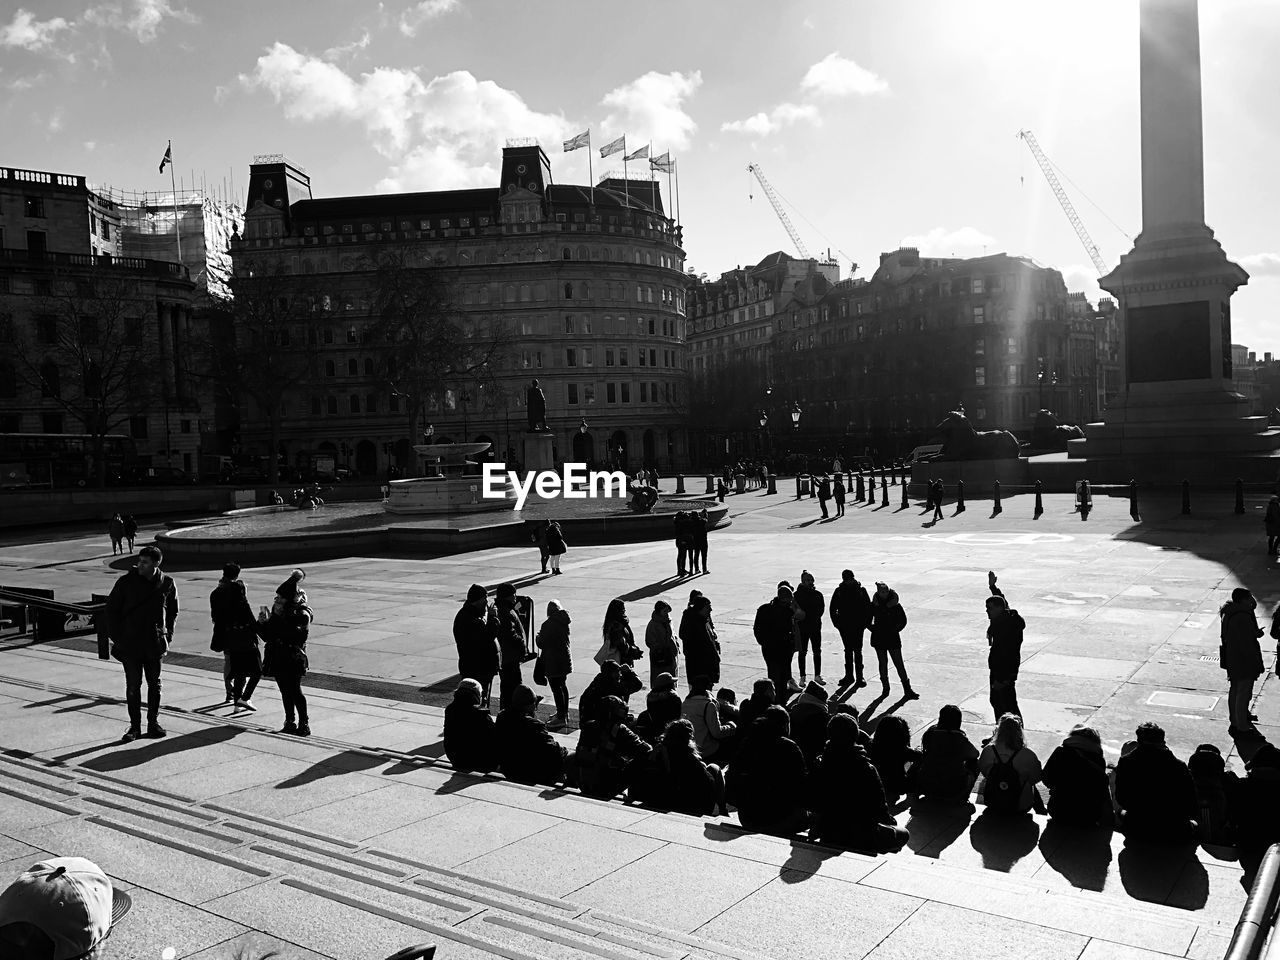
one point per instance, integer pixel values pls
(619, 643)
(555, 661)
(284, 632)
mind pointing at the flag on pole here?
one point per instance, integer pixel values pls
(581, 140)
(641, 154)
(168, 156)
(662, 163)
(617, 146)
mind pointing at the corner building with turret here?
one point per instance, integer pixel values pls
(586, 283)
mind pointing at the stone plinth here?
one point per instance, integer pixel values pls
(537, 450)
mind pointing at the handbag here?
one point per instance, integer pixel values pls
(539, 674)
(216, 643)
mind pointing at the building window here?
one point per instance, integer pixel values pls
(588, 358)
(980, 346)
(138, 428)
(608, 356)
(354, 403)
(537, 358)
(184, 426)
(33, 207)
(626, 393)
(610, 395)
(1011, 374)
(368, 366)
(568, 324)
(980, 376)
(641, 354)
(573, 394)
(589, 393)
(975, 285)
(353, 367)
(570, 357)
(393, 403)
(315, 406)
(330, 369)
(332, 404)
(979, 315)
(371, 403)
(644, 392)
(622, 356)
(1012, 345)
(352, 336)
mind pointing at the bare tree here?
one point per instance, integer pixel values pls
(427, 346)
(86, 348)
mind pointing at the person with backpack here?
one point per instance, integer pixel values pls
(1241, 658)
(1011, 769)
(1004, 638)
(850, 612)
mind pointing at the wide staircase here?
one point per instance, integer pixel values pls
(392, 848)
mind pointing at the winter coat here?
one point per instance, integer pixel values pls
(555, 540)
(130, 526)
(751, 710)
(848, 799)
(824, 489)
(1272, 518)
(511, 645)
(708, 732)
(605, 753)
(1079, 790)
(1155, 790)
(809, 717)
(140, 615)
(470, 741)
(527, 753)
(553, 641)
(767, 780)
(661, 707)
(948, 759)
(850, 606)
(773, 629)
(285, 637)
(1252, 807)
(664, 652)
(1025, 764)
(701, 649)
(887, 622)
(839, 491)
(618, 643)
(115, 529)
(475, 634)
(810, 600)
(1004, 637)
(698, 525)
(893, 764)
(601, 686)
(233, 619)
(1214, 784)
(683, 784)
(1241, 653)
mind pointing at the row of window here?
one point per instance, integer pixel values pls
(610, 357)
(620, 392)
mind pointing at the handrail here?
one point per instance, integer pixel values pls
(1259, 914)
(47, 603)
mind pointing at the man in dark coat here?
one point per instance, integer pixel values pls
(613, 680)
(838, 491)
(775, 633)
(511, 642)
(850, 613)
(141, 611)
(1004, 638)
(849, 803)
(1154, 790)
(527, 753)
(1241, 658)
(809, 625)
(1252, 806)
(767, 779)
(475, 632)
(470, 742)
(824, 494)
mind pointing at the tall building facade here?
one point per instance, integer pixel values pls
(584, 284)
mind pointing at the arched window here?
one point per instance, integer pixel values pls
(566, 254)
(329, 369)
(568, 291)
(371, 403)
(50, 380)
(582, 253)
(585, 290)
(368, 366)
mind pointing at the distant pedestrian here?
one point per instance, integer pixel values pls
(141, 612)
(824, 494)
(115, 530)
(130, 529)
(1241, 657)
(888, 620)
(1004, 638)
(664, 649)
(539, 538)
(556, 545)
(235, 634)
(1272, 522)
(511, 643)
(838, 492)
(938, 493)
(701, 524)
(556, 659)
(284, 632)
(850, 611)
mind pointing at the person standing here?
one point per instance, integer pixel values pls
(887, 622)
(664, 650)
(234, 632)
(141, 611)
(809, 626)
(475, 633)
(115, 530)
(850, 613)
(1004, 638)
(1241, 658)
(937, 493)
(774, 632)
(824, 494)
(701, 524)
(557, 659)
(618, 641)
(511, 643)
(838, 493)
(701, 646)
(1272, 522)
(539, 538)
(130, 529)
(556, 546)
(284, 632)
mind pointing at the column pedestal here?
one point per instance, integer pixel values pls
(537, 450)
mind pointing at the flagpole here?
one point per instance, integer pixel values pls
(591, 174)
(626, 179)
(177, 231)
(677, 172)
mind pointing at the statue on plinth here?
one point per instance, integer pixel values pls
(536, 404)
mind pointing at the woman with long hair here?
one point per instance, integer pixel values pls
(1011, 768)
(893, 755)
(619, 643)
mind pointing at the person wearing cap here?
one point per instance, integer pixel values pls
(1241, 658)
(608, 750)
(664, 650)
(1154, 790)
(850, 612)
(887, 622)
(511, 642)
(470, 741)
(140, 613)
(1252, 807)
(63, 908)
(701, 642)
(1004, 656)
(284, 634)
(774, 631)
(556, 659)
(812, 605)
(475, 634)
(1076, 775)
(527, 753)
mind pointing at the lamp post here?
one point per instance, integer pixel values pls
(465, 398)
(1039, 383)
(764, 432)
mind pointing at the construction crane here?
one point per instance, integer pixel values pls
(754, 168)
(1089, 246)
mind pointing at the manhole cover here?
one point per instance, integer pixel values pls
(1183, 701)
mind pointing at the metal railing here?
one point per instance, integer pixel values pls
(1258, 918)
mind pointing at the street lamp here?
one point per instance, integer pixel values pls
(795, 415)
(465, 398)
(1040, 383)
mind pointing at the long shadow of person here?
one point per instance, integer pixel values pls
(349, 761)
(934, 825)
(154, 749)
(870, 708)
(1081, 854)
(1003, 840)
(1164, 873)
(806, 859)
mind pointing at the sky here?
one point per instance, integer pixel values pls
(879, 123)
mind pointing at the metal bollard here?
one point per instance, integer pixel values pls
(1186, 497)
(1039, 499)
(1085, 498)
(959, 496)
(797, 486)
(1239, 495)
(884, 489)
(996, 507)
(1133, 500)
(711, 484)
(905, 502)
(773, 483)
(861, 488)
(679, 483)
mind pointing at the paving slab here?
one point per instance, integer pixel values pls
(254, 944)
(158, 923)
(377, 811)
(277, 800)
(943, 932)
(463, 833)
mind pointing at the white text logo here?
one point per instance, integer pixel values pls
(574, 482)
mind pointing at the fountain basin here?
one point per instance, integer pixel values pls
(453, 492)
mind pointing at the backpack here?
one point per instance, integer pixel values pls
(1003, 788)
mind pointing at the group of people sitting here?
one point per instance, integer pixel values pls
(810, 765)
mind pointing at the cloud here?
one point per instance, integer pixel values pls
(413, 18)
(54, 123)
(784, 114)
(347, 49)
(651, 107)
(142, 18)
(442, 133)
(834, 76)
(1262, 264)
(28, 33)
(941, 242)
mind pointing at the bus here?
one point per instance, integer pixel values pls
(55, 460)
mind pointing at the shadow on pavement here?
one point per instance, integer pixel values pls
(806, 859)
(48, 703)
(934, 825)
(653, 589)
(154, 749)
(1003, 840)
(349, 761)
(1082, 855)
(1151, 872)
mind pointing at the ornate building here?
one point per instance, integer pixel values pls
(585, 284)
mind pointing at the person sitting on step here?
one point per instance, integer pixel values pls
(948, 764)
(1154, 790)
(1076, 775)
(768, 780)
(849, 804)
(470, 742)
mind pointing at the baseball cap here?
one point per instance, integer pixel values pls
(69, 900)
